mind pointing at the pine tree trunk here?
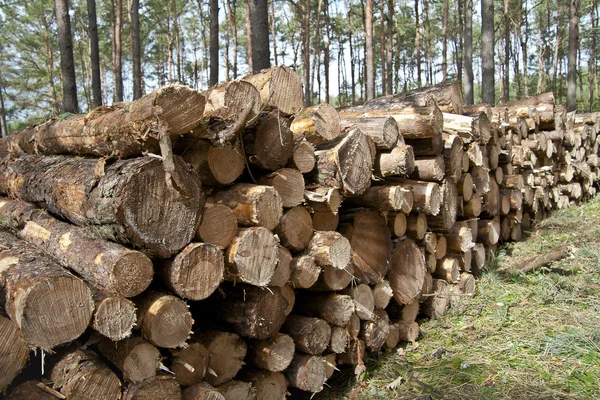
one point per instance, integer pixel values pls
(572, 52)
(3, 125)
(67, 62)
(136, 49)
(418, 43)
(117, 7)
(388, 48)
(306, 53)
(214, 43)
(369, 46)
(487, 52)
(468, 53)
(94, 53)
(506, 77)
(444, 40)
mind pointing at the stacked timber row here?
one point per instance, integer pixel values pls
(231, 245)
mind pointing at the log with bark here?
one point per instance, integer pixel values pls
(226, 353)
(382, 130)
(311, 335)
(50, 305)
(334, 308)
(289, 183)
(303, 157)
(270, 144)
(105, 264)
(470, 128)
(445, 219)
(106, 197)
(252, 256)
(448, 96)
(304, 272)
(435, 306)
(266, 384)
(122, 131)
(307, 372)
(427, 196)
(190, 363)
(272, 354)
(217, 165)
(382, 198)
(13, 351)
(399, 161)
(429, 169)
(374, 333)
(201, 391)
(234, 390)
(253, 205)
(280, 88)
(34, 390)
(407, 272)
(137, 359)
(282, 273)
(229, 101)
(316, 124)
(219, 225)
(330, 249)
(114, 316)
(295, 228)
(364, 301)
(160, 387)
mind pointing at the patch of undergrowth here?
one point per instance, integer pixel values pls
(523, 336)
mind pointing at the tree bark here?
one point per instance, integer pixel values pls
(261, 57)
(160, 387)
(306, 53)
(94, 53)
(214, 42)
(137, 359)
(117, 22)
(273, 354)
(418, 43)
(487, 52)
(468, 53)
(369, 45)
(227, 352)
(572, 55)
(136, 50)
(67, 62)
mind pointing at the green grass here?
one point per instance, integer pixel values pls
(523, 336)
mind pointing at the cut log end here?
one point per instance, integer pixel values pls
(218, 226)
(166, 320)
(114, 317)
(252, 256)
(13, 350)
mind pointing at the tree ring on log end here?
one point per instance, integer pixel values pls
(132, 274)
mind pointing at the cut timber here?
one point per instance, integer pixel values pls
(460, 239)
(253, 312)
(540, 108)
(408, 331)
(190, 364)
(465, 186)
(435, 306)
(316, 124)
(354, 354)
(237, 390)
(440, 249)
(382, 198)
(477, 258)
(137, 359)
(303, 158)
(453, 156)
(467, 283)
(345, 163)
(339, 339)
(397, 224)
(374, 333)
(163, 387)
(491, 200)
(295, 228)
(426, 147)
(118, 132)
(114, 316)
(13, 351)
(382, 130)
(448, 96)
(196, 272)
(541, 260)
(334, 308)
(393, 336)
(472, 109)
(407, 272)
(49, 305)
(469, 128)
(219, 225)
(429, 242)
(330, 249)
(472, 208)
(107, 265)
(429, 169)
(253, 205)
(34, 390)
(364, 301)
(333, 279)
(311, 335)
(80, 375)
(307, 373)
(273, 354)
(266, 385)
(279, 88)
(445, 219)
(371, 243)
(488, 231)
(289, 183)
(87, 192)
(427, 196)
(164, 320)
(304, 272)
(201, 391)
(289, 295)
(229, 101)
(400, 161)
(269, 145)
(282, 273)
(216, 165)
(416, 226)
(323, 199)
(252, 256)
(448, 269)
(382, 294)
(413, 122)
(227, 352)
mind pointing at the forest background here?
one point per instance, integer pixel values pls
(58, 57)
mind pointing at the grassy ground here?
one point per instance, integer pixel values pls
(533, 336)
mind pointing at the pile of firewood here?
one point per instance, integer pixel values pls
(229, 244)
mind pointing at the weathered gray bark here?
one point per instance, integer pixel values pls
(94, 53)
(261, 53)
(214, 42)
(487, 52)
(573, 45)
(468, 53)
(67, 62)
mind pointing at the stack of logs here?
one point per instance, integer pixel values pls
(230, 244)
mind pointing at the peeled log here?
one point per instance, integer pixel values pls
(311, 335)
(345, 163)
(273, 354)
(289, 183)
(87, 192)
(219, 225)
(400, 161)
(269, 145)
(196, 272)
(227, 352)
(116, 132)
(253, 312)
(13, 351)
(407, 272)
(163, 387)
(295, 228)
(280, 88)
(252, 256)
(382, 130)
(330, 249)
(371, 244)
(307, 373)
(316, 124)
(137, 359)
(476, 127)
(190, 364)
(164, 320)
(253, 205)
(107, 265)
(335, 308)
(80, 375)
(448, 96)
(49, 305)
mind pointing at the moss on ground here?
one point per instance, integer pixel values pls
(533, 336)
